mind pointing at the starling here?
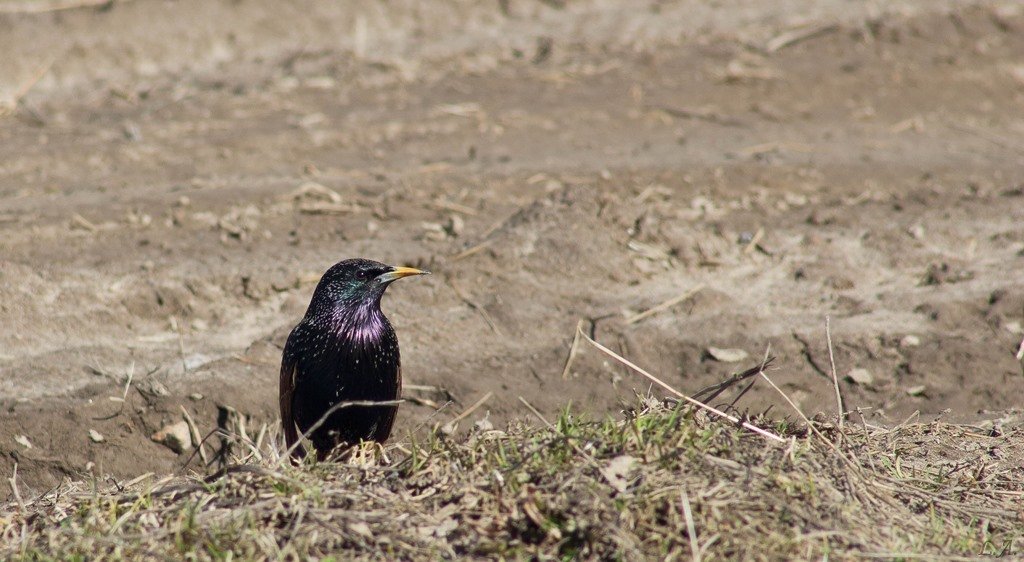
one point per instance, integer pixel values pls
(344, 350)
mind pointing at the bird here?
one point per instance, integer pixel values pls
(342, 354)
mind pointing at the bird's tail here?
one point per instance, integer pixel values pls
(291, 432)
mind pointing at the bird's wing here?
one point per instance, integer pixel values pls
(291, 434)
(389, 413)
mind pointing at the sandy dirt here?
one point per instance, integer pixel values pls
(175, 175)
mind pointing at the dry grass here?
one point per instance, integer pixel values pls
(665, 481)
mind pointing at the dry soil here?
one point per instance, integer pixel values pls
(175, 175)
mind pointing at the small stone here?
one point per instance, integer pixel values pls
(1013, 327)
(916, 390)
(175, 437)
(455, 225)
(195, 396)
(23, 441)
(434, 231)
(910, 340)
(861, 376)
(727, 355)
(618, 471)
(96, 436)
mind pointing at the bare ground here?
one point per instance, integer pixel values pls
(157, 214)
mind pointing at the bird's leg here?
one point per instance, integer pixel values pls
(368, 453)
(336, 453)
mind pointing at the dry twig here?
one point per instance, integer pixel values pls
(665, 305)
(572, 350)
(45, 6)
(835, 376)
(691, 529)
(701, 405)
(8, 106)
(450, 426)
(794, 36)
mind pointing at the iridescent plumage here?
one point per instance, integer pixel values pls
(344, 350)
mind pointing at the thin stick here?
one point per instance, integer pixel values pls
(258, 444)
(754, 241)
(537, 413)
(477, 307)
(195, 450)
(9, 105)
(906, 421)
(124, 396)
(665, 305)
(437, 411)
(469, 410)
(181, 345)
(709, 393)
(83, 222)
(1020, 355)
(690, 527)
(856, 467)
(444, 205)
(137, 479)
(251, 445)
(572, 350)
(701, 405)
(128, 383)
(328, 413)
(422, 402)
(795, 36)
(835, 377)
(13, 481)
(473, 250)
(795, 407)
(994, 139)
(423, 388)
(701, 114)
(194, 434)
(43, 6)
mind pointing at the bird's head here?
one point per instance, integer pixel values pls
(357, 283)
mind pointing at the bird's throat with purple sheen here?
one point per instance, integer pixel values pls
(361, 325)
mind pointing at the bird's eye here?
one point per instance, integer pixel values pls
(362, 275)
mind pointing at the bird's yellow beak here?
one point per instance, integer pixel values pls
(400, 272)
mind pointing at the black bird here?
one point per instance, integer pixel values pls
(343, 350)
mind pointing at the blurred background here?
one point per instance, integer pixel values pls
(690, 182)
